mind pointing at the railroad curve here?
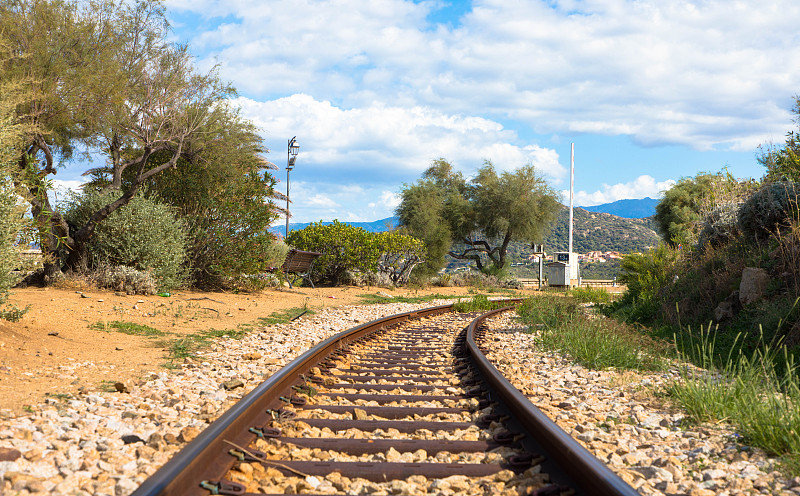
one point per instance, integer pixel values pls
(407, 404)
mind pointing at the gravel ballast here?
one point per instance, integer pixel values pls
(107, 443)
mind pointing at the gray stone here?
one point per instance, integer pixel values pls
(650, 472)
(754, 283)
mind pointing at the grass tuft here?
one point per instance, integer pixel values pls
(593, 342)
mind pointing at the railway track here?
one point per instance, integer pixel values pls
(407, 404)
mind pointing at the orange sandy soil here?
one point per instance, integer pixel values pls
(53, 351)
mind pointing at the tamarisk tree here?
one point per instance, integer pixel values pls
(105, 81)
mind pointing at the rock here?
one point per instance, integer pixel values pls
(359, 414)
(650, 472)
(121, 388)
(754, 283)
(188, 433)
(232, 384)
(9, 454)
(132, 438)
(728, 308)
(251, 356)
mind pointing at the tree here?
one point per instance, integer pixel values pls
(222, 189)
(783, 163)
(478, 219)
(106, 78)
(683, 207)
(15, 230)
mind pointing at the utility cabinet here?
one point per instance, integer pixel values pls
(563, 270)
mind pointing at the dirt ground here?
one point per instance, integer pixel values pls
(66, 342)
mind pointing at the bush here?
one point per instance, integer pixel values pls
(399, 254)
(344, 248)
(123, 278)
(13, 239)
(720, 226)
(144, 235)
(769, 209)
(646, 274)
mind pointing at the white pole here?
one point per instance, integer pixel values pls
(571, 188)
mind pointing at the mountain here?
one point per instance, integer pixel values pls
(386, 224)
(629, 209)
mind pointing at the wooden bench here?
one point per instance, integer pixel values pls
(299, 264)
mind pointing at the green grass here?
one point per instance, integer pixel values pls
(373, 298)
(284, 316)
(130, 328)
(478, 303)
(757, 392)
(590, 295)
(593, 342)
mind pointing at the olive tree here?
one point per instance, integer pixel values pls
(477, 219)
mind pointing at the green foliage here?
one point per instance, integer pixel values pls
(343, 246)
(683, 206)
(645, 275)
(783, 163)
(399, 254)
(769, 209)
(478, 220)
(478, 303)
(561, 325)
(145, 235)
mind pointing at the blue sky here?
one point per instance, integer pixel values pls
(648, 90)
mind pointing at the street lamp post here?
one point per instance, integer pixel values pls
(292, 150)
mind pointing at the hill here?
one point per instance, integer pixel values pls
(593, 231)
(629, 209)
(597, 231)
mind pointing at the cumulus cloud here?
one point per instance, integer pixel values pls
(642, 187)
(700, 73)
(381, 139)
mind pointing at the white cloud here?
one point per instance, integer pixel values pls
(398, 138)
(706, 74)
(388, 200)
(642, 187)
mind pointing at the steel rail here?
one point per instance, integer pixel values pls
(200, 458)
(593, 476)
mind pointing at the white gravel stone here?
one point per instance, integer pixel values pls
(626, 425)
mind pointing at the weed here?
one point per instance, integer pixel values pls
(758, 392)
(593, 342)
(373, 299)
(130, 328)
(286, 315)
(477, 303)
(590, 295)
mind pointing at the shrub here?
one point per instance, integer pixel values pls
(399, 254)
(144, 235)
(769, 209)
(121, 278)
(721, 225)
(646, 274)
(344, 248)
(13, 239)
